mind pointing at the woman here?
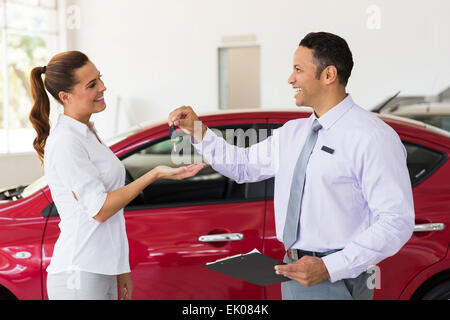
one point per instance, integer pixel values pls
(90, 259)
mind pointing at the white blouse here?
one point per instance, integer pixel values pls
(81, 170)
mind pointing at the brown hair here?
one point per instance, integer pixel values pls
(59, 76)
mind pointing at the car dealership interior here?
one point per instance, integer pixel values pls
(232, 62)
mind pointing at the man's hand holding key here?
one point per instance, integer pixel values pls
(185, 118)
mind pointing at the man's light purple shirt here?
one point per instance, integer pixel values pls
(357, 198)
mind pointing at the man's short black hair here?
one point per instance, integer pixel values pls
(330, 49)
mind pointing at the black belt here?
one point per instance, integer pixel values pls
(296, 254)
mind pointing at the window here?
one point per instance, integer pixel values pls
(422, 162)
(208, 186)
(28, 37)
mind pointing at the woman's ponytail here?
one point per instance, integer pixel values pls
(40, 113)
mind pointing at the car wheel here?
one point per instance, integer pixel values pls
(440, 292)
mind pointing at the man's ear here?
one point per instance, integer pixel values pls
(330, 74)
(64, 97)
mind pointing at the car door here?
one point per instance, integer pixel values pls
(429, 173)
(170, 225)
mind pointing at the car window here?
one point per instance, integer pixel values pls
(208, 186)
(422, 162)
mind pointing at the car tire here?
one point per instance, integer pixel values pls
(440, 292)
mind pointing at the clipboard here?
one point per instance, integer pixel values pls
(253, 267)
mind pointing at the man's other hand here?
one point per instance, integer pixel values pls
(307, 271)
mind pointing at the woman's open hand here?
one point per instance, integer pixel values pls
(165, 172)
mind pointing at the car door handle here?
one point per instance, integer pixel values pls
(426, 227)
(221, 237)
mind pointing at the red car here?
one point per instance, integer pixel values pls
(167, 222)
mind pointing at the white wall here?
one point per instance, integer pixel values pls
(160, 54)
(19, 169)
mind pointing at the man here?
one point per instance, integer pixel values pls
(343, 199)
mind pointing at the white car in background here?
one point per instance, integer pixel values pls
(434, 110)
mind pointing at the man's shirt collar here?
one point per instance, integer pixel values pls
(336, 112)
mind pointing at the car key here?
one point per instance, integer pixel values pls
(175, 137)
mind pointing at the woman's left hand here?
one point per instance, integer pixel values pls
(125, 286)
(165, 172)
